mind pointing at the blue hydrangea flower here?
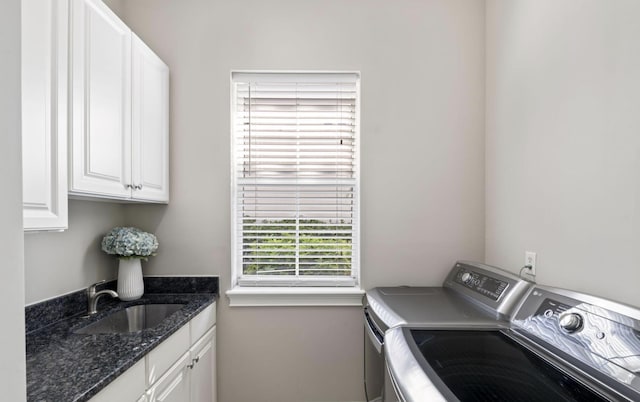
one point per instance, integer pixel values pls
(129, 242)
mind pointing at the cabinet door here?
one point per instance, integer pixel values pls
(44, 114)
(203, 373)
(101, 101)
(150, 124)
(173, 386)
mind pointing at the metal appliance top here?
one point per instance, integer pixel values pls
(596, 335)
(473, 295)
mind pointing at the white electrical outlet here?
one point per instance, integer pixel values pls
(530, 260)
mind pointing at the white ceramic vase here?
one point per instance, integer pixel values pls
(130, 284)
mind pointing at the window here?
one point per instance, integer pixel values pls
(295, 179)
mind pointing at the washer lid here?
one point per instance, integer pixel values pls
(426, 307)
(482, 366)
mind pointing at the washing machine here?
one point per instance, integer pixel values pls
(473, 295)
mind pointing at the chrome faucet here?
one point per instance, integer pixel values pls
(93, 296)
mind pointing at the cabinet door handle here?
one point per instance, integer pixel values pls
(138, 187)
(193, 362)
(128, 186)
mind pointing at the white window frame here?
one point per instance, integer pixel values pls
(271, 290)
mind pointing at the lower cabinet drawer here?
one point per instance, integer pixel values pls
(201, 323)
(129, 386)
(161, 358)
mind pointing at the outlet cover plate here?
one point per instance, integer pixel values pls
(530, 259)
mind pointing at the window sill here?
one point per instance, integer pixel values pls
(294, 296)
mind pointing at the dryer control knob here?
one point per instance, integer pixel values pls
(571, 322)
(466, 277)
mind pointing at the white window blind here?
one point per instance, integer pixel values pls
(295, 178)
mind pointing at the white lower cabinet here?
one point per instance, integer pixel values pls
(204, 368)
(180, 369)
(192, 377)
(173, 386)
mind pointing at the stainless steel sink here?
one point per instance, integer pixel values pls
(131, 319)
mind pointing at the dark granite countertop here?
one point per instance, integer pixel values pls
(64, 366)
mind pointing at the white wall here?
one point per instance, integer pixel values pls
(422, 65)
(563, 141)
(12, 346)
(61, 262)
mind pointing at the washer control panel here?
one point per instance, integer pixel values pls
(478, 282)
(550, 308)
(568, 319)
(599, 333)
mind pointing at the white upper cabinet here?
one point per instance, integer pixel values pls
(150, 128)
(119, 110)
(100, 101)
(44, 114)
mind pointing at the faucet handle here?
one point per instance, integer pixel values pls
(92, 288)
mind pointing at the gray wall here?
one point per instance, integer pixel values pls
(422, 65)
(12, 364)
(59, 263)
(563, 141)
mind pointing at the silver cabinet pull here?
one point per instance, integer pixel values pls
(193, 362)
